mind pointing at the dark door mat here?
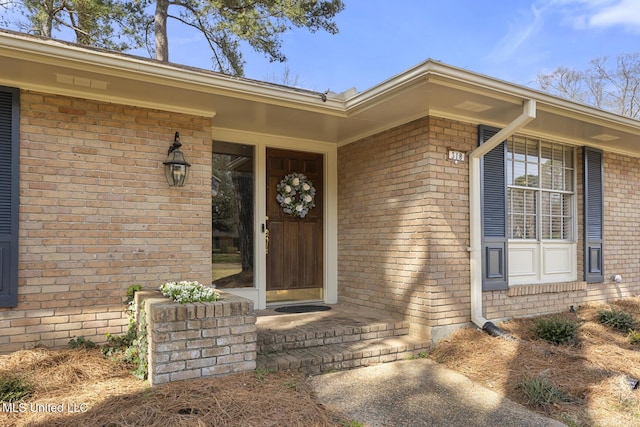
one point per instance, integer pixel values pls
(302, 308)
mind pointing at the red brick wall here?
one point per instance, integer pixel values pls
(97, 215)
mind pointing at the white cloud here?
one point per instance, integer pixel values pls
(625, 12)
(519, 32)
(584, 14)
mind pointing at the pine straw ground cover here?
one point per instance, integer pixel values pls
(92, 390)
(594, 374)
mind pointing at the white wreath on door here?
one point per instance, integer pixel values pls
(296, 195)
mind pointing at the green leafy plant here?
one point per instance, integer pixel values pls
(131, 292)
(291, 384)
(81, 342)
(142, 369)
(617, 319)
(568, 420)
(131, 347)
(541, 392)
(13, 388)
(634, 337)
(261, 373)
(556, 330)
(420, 355)
(351, 423)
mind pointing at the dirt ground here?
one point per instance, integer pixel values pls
(597, 373)
(81, 387)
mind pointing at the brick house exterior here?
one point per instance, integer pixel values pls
(402, 227)
(423, 205)
(92, 222)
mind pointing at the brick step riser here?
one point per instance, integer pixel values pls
(314, 365)
(272, 342)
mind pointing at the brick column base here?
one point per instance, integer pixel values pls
(197, 340)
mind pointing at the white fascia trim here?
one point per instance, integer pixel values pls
(127, 66)
(447, 75)
(272, 140)
(104, 97)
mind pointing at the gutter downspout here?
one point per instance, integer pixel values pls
(475, 226)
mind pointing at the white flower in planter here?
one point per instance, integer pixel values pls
(185, 292)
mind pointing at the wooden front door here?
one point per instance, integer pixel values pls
(295, 245)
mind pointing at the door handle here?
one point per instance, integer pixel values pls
(266, 235)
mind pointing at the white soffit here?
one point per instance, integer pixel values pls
(430, 88)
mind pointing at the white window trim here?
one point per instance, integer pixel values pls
(531, 261)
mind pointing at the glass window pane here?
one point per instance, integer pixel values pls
(520, 174)
(546, 154)
(546, 176)
(530, 214)
(566, 204)
(516, 200)
(532, 175)
(546, 227)
(532, 151)
(567, 227)
(531, 227)
(519, 149)
(556, 204)
(568, 157)
(556, 228)
(517, 227)
(515, 210)
(568, 179)
(530, 202)
(232, 215)
(558, 178)
(558, 155)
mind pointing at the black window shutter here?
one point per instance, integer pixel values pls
(494, 214)
(9, 144)
(593, 216)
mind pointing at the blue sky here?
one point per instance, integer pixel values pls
(512, 40)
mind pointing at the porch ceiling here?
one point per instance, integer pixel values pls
(430, 88)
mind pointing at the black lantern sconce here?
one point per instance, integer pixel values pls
(176, 167)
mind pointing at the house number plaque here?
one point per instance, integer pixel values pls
(456, 156)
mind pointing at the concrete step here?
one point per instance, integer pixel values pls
(344, 355)
(322, 333)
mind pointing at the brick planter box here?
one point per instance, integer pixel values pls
(197, 340)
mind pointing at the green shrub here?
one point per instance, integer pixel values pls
(617, 319)
(634, 337)
(13, 388)
(261, 373)
(556, 330)
(130, 348)
(81, 342)
(542, 392)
